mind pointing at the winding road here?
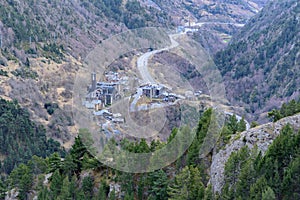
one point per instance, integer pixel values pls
(142, 62)
(142, 65)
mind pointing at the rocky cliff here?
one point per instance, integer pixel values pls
(261, 136)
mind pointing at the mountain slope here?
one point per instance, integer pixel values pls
(217, 10)
(77, 25)
(42, 44)
(261, 64)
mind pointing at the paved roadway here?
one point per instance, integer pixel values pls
(142, 65)
(142, 62)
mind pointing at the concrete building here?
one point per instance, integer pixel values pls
(152, 90)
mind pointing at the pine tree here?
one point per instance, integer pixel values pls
(201, 132)
(87, 186)
(158, 182)
(246, 179)
(69, 166)
(54, 162)
(2, 190)
(234, 165)
(126, 180)
(254, 124)
(233, 124)
(142, 147)
(89, 162)
(268, 194)
(73, 187)
(196, 187)
(65, 190)
(56, 184)
(187, 185)
(141, 187)
(275, 115)
(22, 177)
(242, 125)
(209, 195)
(80, 195)
(77, 151)
(258, 188)
(44, 194)
(291, 181)
(25, 185)
(102, 192)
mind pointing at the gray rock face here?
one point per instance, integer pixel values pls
(261, 136)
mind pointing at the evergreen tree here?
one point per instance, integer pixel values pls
(54, 162)
(44, 194)
(242, 125)
(268, 194)
(69, 167)
(65, 190)
(77, 152)
(142, 147)
(3, 190)
(196, 187)
(102, 192)
(25, 185)
(254, 124)
(275, 115)
(126, 180)
(89, 162)
(73, 187)
(56, 184)
(87, 186)
(291, 181)
(22, 178)
(80, 195)
(234, 165)
(209, 195)
(258, 188)
(158, 184)
(141, 187)
(202, 128)
(187, 185)
(246, 179)
(233, 124)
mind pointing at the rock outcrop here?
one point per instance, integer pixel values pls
(261, 136)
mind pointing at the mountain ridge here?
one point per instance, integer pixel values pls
(260, 65)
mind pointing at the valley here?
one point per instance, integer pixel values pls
(149, 99)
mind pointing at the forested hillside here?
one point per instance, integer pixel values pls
(20, 138)
(43, 44)
(249, 174)
(275, 175)
(261, 64)
(217, 10)
(37, 28)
